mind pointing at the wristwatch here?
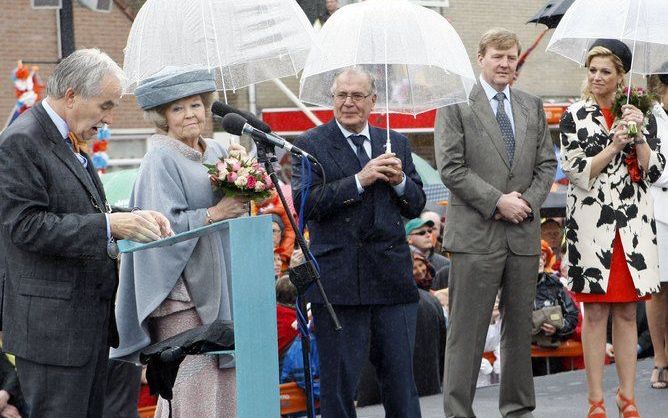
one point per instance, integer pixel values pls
(112, 249)
(639, 141)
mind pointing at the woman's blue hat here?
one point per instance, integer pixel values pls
(173, 83)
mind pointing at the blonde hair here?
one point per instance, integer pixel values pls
(499, 38)
(602, 52)
(156, 115)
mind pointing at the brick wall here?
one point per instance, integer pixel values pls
(30, 35)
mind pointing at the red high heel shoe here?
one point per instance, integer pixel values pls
(624, 404)
(593, 406)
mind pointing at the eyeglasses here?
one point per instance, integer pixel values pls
(423, 232)
(356, 97)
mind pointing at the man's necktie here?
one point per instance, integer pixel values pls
(77, 145)
(506, 127)
(362, 156)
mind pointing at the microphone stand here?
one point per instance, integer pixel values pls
(302, 276)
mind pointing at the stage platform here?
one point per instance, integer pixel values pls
(561, 395)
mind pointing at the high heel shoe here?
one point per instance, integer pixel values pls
(593, 406)
(624, 404)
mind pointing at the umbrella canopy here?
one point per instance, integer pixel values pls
(431, 181)
(550, 15)
(416, 56)
(641, 24)
(245, 42)
(118, 186)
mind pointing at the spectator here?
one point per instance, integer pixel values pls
(331, 6)
(437, 230)
(430, 335)
(657, 307)
(286, 315)
(490, 372)
(550, 293)
(277, 230)
(418, 234)
(552, 232)
(272, 206)
(123, 387)
(12, 404)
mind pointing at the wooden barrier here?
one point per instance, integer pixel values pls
(569, 348)
(293, 399)
(147, 411)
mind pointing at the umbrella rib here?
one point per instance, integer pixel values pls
(206, 47)
(141, 41)
(633, 51)
(220, 61)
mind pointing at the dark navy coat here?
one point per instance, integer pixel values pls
(358, 240)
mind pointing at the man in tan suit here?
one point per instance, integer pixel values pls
(495, 155)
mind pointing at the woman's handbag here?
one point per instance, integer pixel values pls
(551, 315)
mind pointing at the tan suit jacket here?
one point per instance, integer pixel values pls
(474, 165)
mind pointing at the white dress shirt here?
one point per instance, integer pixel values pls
(491, 92)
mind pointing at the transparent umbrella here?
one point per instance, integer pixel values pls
(641, 24)
(417, 57)
(245, 42)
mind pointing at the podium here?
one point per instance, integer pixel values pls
(248, 243)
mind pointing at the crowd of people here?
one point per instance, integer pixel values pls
(421, 295)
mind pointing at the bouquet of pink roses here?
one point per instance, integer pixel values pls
(237, 176)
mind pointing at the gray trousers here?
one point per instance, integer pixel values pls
(475, 280)
(67, 392)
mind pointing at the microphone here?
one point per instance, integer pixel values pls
(237, 125)
(221, 109)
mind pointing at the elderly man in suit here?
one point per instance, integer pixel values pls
(59, 237)
(358, 240)
(495, 156)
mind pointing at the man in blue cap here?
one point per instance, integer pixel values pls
(419, 235)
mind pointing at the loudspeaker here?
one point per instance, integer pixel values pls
(46, 4)
(97, 5)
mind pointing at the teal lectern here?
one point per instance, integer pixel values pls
(249, 244)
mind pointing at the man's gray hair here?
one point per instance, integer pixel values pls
(83, 72)
(358, 71)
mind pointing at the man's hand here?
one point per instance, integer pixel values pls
(386, 168)
(139, 226)
(609, 350)
(512, 208)
(4, 398)
(10, 411)
(237, 149)
(548, 329)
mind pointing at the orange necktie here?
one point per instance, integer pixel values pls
(78, 145)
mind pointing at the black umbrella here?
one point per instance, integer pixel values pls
(550, 15)
(163, 358)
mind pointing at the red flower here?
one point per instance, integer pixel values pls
(251, 182)
(632, 166)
